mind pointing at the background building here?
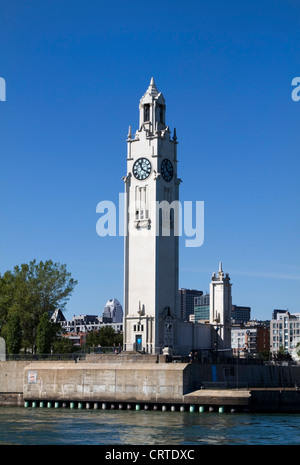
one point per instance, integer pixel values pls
(276, 311)
(240, 314)
(284, 331)
(187, 299)
(201, 308)
(250, 339)
(86, 323)
(112, 316)
(112, 312)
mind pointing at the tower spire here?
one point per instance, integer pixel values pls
(152, 89)
(152, 110)
(220, 272)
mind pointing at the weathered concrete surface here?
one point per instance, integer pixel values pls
(11, 383)
(124, 357)
(11, 376)
(219, 397)
(106, 382)
(11, 399)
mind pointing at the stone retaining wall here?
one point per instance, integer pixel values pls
(116, 378)
(105, 382)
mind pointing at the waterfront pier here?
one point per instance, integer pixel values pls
(145, 382)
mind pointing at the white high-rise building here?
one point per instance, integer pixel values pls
(113, 311)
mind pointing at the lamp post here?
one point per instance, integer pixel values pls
(237, 363)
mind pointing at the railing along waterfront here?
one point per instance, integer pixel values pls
(211, 358)
(45, 357)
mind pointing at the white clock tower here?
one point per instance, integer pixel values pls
(151, 305)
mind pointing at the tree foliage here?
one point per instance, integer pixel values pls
(13, 334)
(282, 355)
(63, 345)
(30, 291)
(105, 337)
(46, 334)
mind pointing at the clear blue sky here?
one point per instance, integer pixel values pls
(75, 71)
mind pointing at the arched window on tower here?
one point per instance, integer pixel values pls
(162, 114)
(146, 112)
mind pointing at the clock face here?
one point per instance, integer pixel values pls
(142, 168)
(166, 170)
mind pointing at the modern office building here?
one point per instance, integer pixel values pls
(112, 312)
(187, 301)
(201, 308)
(240, 314)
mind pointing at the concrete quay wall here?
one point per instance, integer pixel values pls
(114, 379)
(275, 400)
(114, 382)
(237, 375)
(11, 382)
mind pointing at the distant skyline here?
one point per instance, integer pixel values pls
(74, 74)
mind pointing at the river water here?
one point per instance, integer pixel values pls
(43, 426)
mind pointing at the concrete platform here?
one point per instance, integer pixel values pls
(219, 397)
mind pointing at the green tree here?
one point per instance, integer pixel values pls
(264, 355)
(46, 334)
(282, 354)
(105, 337)
(64, 346)
(6, 296)
(13, 335)
(92, 339)
(31, 290)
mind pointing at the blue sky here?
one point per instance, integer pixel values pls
(75, 71)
